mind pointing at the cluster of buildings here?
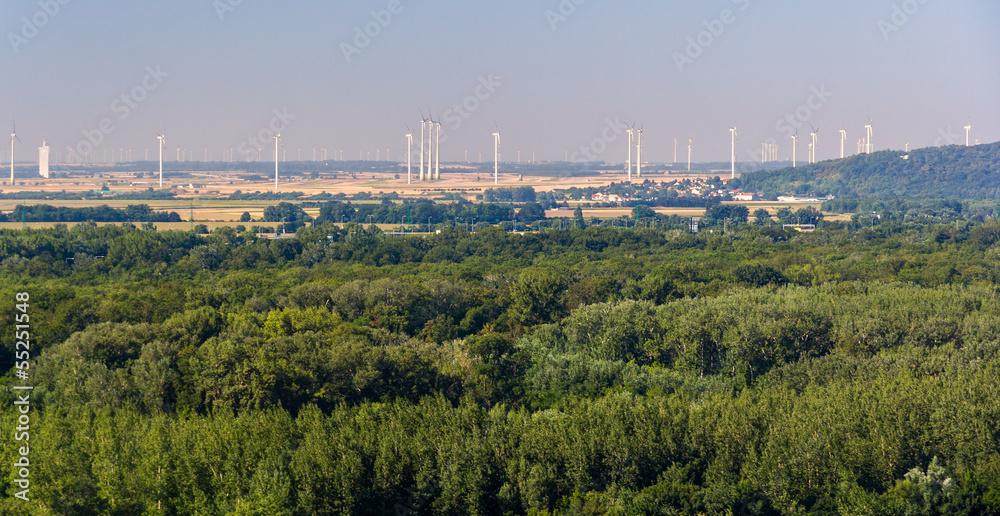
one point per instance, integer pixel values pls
(706, 188)
(696, 188)
(792, 198)
(606, 197)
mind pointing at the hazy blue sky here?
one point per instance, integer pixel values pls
(557, 79)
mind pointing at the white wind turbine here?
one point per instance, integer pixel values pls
(843, 140)
(815, 143)
(496, 157)
(795, 146)
(732, 133)
(13, 136)
(968, 129)
(162, 138)
(277, 141)
(628, 163)
(638, 156)
(690, 141)
(869, 131)
(437, 153)
(409, 153)
(423, 125)
(430, 148)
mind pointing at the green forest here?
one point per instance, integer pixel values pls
(945, 172)
(587, 370)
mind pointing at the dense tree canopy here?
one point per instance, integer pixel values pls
(950, 171)
(750, 370)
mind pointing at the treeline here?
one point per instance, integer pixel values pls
(580, 371)
(420, 212)
(144, 195)
(132, 213)
(916, 210)
(521, 194)
(939, 172)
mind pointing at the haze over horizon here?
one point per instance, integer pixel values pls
(554, 76)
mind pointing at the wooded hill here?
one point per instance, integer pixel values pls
(952, 171)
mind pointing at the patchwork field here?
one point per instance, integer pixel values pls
(197, 193)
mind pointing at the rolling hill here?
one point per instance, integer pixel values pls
(951, 171)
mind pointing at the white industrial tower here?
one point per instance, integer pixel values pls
(43, 160)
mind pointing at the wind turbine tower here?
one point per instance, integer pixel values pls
(795, 146)
(13, 136)
(638, 156)
(437, 153)
(732, 133)
(162, 139)
(496, 158)
(277, 141)
(843, 140)
(968, 128)
(430, 148)
(815, 144)
(628, 163)
(868, 143)
(409, 152)
(423, 125)
(689, 153)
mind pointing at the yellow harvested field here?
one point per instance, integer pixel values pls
(197, 196)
